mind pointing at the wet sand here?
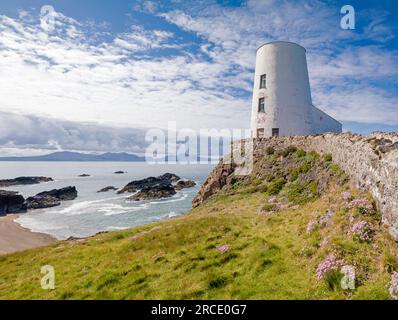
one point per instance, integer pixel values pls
(15, 238)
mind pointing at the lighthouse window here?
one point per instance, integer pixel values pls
(261, 133)
(261, 105)
(275, 132)
(263, 81)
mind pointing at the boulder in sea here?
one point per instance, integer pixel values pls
(158, 191)
(48, 199)
(183, 184)
(84, 175)
(23, 181)
(136, 185)
(41, 202)
(171, 177)
(120, 172)
(11, 202)
(67, 193)
(106, 189)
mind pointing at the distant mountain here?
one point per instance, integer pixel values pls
(76, 156)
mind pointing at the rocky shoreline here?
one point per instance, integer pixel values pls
(14, 237)
(150, 188)
(12, 202)
(53, 198)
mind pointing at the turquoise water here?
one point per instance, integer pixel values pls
(94, 212)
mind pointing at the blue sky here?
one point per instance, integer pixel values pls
(115, 66)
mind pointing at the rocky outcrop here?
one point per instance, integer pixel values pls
(184, 184)
(23, 181)
(106, 189)
(68, 193)
(120, 172)
(156, 187)
(11, 202)
(214, 182)
(84, 175)
(171, 177)
(162, 190)
(136, 185)
(371, 162)
(41, 202)
(48, 199)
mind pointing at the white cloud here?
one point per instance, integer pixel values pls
(80, 72)
(59, 75)
(20, 134)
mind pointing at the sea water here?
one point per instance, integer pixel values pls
(93, 212)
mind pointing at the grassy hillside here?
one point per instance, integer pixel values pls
(262, 237)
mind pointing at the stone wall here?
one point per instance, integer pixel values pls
(371, 162)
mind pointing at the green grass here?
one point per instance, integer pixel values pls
(270, 257)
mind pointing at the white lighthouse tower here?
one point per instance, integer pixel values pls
(282, 104)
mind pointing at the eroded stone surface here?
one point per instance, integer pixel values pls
(371, 162)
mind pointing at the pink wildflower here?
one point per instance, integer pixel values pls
(363, 230)
(325, 219)
(363, 205)
(346, 195)
(311, 226)
(224, 248)
(327, 265)
(394, 286)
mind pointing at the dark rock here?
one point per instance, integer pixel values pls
(136, 185)
(106, 189)
(183, 184)
(72, 238)
(84, 175)
(48, 199)
(41, 202)
(139, 184)
(162, 190)
(120, 172)
(23, 181)
(68, 193)
(171, 177)
(11, 202)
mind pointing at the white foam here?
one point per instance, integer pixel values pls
(182, 198)
(84, 206)
(113, 228)
(37, 225)
(172, 214)
(114, 209)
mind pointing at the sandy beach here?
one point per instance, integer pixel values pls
(15, 238)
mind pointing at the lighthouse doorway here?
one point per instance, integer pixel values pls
(260, 133)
